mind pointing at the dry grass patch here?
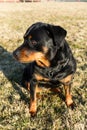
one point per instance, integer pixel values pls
(14, 100)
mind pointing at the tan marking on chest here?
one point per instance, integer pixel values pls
(40, 77)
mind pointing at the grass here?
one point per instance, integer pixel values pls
(14, 99)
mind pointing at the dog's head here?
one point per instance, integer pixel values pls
(41, 42)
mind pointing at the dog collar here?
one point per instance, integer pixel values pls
(53, 72)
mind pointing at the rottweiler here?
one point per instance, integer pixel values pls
(50, 59)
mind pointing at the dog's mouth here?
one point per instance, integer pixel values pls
(27, 57)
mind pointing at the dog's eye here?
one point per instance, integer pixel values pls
(34, 42)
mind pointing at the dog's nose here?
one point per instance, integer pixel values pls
(16, 53)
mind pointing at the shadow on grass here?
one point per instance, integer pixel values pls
(12, 71)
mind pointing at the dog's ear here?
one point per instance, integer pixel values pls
(58, 34)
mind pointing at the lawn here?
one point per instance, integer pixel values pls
(53, 113)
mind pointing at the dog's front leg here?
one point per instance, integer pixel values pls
(68, 95)
(67, 86)
(33, 105)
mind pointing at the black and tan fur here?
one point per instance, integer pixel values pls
(50, 61)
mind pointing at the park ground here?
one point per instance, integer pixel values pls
(52, 113)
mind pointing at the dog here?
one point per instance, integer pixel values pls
(50, 59)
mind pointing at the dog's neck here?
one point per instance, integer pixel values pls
(51, 72)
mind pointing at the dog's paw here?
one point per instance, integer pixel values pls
(33, 109)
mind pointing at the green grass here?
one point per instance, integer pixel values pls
(52, 112)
